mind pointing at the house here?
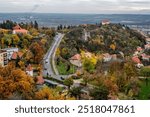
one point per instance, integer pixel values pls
(40, 80)
(105, 22)
(148, 40)
(15, 55)
(114, 57)
(18, 30)
(76, 60)
(145, 57)
(136, 60)
(29, 70)
(147, 46)
(107, 57)
(139, 49)
(3, 58)
(10, 51)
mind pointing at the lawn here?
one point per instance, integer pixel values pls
(62, 69)
(145, 90)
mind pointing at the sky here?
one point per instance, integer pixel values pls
(76, 6)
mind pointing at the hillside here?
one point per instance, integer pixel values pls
(111, 39)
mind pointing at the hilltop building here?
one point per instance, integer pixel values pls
(18, 30)
(105, 22)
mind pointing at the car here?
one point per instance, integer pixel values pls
(45, 68)
(46, 61)
(62, 78)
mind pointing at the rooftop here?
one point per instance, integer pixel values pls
(9, 48)
(17, 27)
(16, 54)
(40, 80)
(76, 57)
(136, 59)
(29, 68)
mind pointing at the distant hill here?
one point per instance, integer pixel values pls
(111, 38)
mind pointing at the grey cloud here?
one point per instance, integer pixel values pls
(76, 6)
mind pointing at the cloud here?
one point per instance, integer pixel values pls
(75, 6)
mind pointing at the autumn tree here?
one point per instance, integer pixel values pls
(47, 93)
(37, 51)
(130, 70)
(15, 39)
(89, 61)
(15, 83)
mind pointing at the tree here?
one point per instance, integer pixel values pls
(145, 72)
(130, 70)
(99, 92)
(75, 92)
(37, 51)
(47, 93)
(36, 26)
(15, 39)
(86, 78)
(68, 82)
(89, 61)
(113, 46)
(15, 83)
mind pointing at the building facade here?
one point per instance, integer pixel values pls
(10, 52)
(3, 58)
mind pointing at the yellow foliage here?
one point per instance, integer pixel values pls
(58, 52)
(113, 46)
(44, 41)
(15, 38)
(89, 56)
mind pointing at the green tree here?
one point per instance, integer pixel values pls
(145, 72)
(99, 93)
(75, 92)
(68, 82)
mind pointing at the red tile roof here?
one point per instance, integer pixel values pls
(136, 59)
(139, 49)
(21, 31)
(16, 54)
(76, 57)
(40, 80)
(17, 27)
(105, 21)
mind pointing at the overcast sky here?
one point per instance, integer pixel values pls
(76, 6)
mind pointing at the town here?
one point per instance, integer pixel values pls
(102, 61)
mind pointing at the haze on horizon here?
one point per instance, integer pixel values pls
(76, 6)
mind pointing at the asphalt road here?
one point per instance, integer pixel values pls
(49, 68)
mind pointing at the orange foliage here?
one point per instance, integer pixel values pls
(14, 81)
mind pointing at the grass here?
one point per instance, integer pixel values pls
(145, 90)
(62, 69)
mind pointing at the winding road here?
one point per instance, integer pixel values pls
(49, 68)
